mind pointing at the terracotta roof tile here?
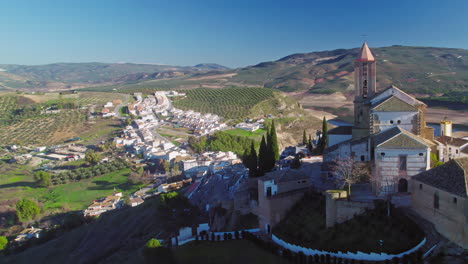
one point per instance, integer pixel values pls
(365, 54)
(450, 177)
(458, 142)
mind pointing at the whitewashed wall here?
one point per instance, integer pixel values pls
(383, 121)
(335, 139)
(348, 255)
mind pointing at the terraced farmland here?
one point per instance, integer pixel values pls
(45, 129)
(227, 102)
(6, 104)
(81, 98)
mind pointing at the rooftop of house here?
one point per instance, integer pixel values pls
(341, 130)
(394, 104)
(285, 176)
(450, 177)
(349, 141)
(453, 141)
(393, 91)
(397, 137)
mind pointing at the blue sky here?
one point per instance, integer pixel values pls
(232, 33)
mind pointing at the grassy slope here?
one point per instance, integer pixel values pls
(233, 251)
(257, 134)
(78, 195)
(116, 237)
(17, 181)
(305, 226)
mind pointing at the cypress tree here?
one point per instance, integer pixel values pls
(272, 148)
(304, 138)
(309, 144)
(262, 157)
(274, 143)
(324, 138)
(253, 162)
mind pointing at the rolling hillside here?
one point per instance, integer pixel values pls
(77, 75)
(418, 70)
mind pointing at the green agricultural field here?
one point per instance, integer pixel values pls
(232, 251)
(17, 181)
(78, 195)
(44, 129)
(257, 134)
(82, 98)
(227, 102)
(27, 127)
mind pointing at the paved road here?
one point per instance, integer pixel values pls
(124, 103)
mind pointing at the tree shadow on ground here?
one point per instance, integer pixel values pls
(105, 185)
(18, 184)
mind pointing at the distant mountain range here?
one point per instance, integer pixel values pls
(418, 70)
(78, 75)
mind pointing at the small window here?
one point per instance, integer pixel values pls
(363, 158)
(402, 162)
(455, 200)
(420, 186)
(391, 121)
(421, 154)
(456, 151)
(436, 200)
(383, 153)
(399, 122)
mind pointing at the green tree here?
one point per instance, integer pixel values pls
(310, 146)
(154, 252)
(323, 141)
(92, 157)
(435, 160)
(272, 148)
(252, 160)
(176, 169)
(262, 157)
(304, 138)
(42, 178)
(128, 121)
(274, 142)
(26, 209)
(3, 242)
(166, 166)
(153, 243)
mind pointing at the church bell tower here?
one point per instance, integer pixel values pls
(365, 88)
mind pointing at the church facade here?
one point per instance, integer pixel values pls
(389, 131)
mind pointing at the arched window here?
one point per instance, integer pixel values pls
(436, 200)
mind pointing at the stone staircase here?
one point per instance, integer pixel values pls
(434, 241)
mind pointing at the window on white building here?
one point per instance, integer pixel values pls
(402, 162)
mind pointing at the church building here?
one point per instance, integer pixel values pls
(389, 131)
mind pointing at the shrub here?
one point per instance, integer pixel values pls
(3, 242)
(26, 209)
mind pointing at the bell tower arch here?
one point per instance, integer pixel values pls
(365, 88)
